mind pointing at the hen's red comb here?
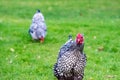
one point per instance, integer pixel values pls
(79, 38)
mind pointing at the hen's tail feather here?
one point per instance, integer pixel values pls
(70, 37)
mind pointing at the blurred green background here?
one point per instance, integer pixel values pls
(24, 59)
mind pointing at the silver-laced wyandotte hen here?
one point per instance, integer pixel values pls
(38, 28)
(71, 60)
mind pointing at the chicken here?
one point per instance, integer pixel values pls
(38, 27)
(71, 60)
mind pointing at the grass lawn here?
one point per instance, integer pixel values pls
(24, 59)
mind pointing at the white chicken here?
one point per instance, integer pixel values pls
(38, 27)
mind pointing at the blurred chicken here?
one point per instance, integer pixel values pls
(38, 27)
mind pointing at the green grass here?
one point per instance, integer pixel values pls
(24, 59)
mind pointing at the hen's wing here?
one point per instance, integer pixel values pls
(32, 30)
(40, 33)
(36, 31)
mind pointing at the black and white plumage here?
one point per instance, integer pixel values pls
(38, 27)
(66, 46)
(71, 60)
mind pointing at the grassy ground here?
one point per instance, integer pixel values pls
(24, 59)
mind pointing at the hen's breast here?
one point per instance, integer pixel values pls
(65, 64)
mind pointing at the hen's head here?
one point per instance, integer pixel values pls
(79, 39)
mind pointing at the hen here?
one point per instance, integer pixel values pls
(38, 28)
(71, 60)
